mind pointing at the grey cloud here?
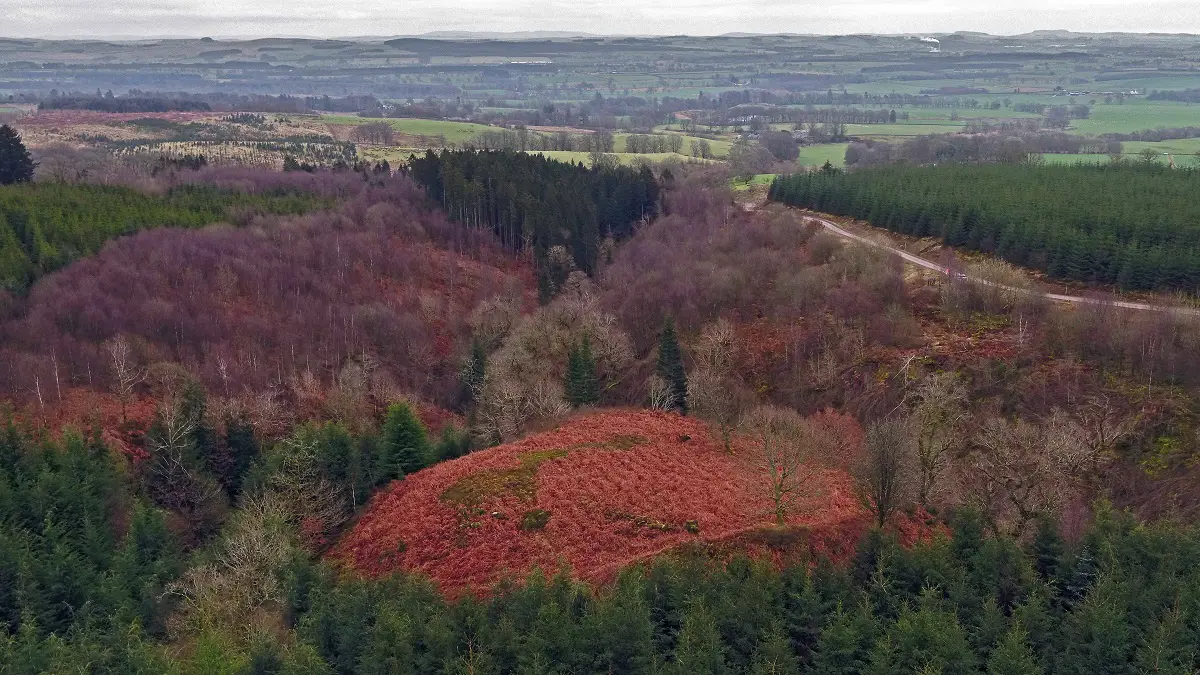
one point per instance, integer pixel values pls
(321, 18)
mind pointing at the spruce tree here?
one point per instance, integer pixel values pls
(670, 366)
(845, 644)
(1047, 549)
(582, 386)
(1013, 655)
(16, 165)
(774, 657)
(243, 448)
(404, 447)
(700, 650)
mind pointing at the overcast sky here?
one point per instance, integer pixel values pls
(342, 18)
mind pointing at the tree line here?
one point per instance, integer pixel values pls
(534, 203)
(1127, 225)
(124, 104)
(984, 145)
(136, 100)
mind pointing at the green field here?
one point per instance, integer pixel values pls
(1177, 146)
(816, 155)
(945, 114)
(719, 148)
(1137, 116)
(455, 132)
(910, 129)
(1180, 160)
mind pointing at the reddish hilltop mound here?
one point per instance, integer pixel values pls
(597, 493)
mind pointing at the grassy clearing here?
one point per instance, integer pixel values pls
(740, 185)
(816, 155)
(520, 482)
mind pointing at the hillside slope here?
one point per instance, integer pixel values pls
(595, 494)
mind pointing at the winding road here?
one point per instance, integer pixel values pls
(1057, 297)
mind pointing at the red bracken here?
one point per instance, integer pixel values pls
(632, 484)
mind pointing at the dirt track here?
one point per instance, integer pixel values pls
(1057, 297)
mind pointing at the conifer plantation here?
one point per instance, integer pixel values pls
(535, 203)
(44, 226)
(1130, 225)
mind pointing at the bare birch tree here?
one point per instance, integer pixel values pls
(126, 373)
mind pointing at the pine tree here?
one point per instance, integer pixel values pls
(1013, 655)
(404, 447)
(1099, 635)
(700, 650)
(927, 637)
(845, 644)
(1047, 549)
(670, 366)
(775, 657)
(581, 384)
(243, 448)
(1170, 648)
(16, 165)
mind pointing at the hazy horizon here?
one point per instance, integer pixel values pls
(161, 19)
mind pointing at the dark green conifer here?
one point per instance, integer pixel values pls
(1013, 655)
(670, 366)
(405, 444)
(774, 657)
(16, 165)
(700, 650)
(582, 386)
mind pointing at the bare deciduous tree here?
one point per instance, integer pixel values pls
(172, 480)
(523, 381)
(939, 408)
(782, 448)
(715, 393)
(884, 475)
(1101, 424)
(376, 133)
(310, 499)
(244, 576)
(126, 373)
(1019, 470)
(661, 395)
